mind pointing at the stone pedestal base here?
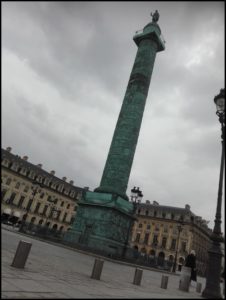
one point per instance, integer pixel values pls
(103, 222)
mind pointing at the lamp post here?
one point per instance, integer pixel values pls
(36, 189)
(136, 195)
(52, 210)
(179, 227)
(212, 289)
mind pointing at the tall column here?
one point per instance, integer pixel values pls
(120, 157)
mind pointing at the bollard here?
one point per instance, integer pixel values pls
(137, 276)
(198, 287)
(164, 281)
(185, 279)
(21, 254)
(97, 269)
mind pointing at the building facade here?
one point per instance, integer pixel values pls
(162, 231)
(32, 195)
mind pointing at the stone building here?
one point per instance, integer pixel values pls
(32, 195)
(158, 229)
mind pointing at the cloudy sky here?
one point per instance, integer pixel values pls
(65, 68)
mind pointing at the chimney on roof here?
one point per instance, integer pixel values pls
(25, 158)
(8, 149)
(71, 182)
(155, 203)
(64, 178)
(148, 202)
(39, 165)
(52, 172)
(86, 188)
(187, 207)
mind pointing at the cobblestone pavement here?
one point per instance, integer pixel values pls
(53, 271)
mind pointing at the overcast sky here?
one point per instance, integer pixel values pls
(65, 68)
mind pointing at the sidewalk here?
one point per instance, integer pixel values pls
(53, 271)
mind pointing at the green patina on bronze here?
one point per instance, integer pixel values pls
(120, 157)
(104, 217)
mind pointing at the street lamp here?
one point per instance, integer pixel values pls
(136, 195)
(36, 189)
(212, 289)
(52, 210)
(179, 227)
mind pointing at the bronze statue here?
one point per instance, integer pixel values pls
(155, 16)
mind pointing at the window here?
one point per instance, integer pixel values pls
(138, 211)
(164, 239)
(155, 213)
(146, 212)
(137, 238)
(3, 194)
(173, 244)
(68, 206)
(31, 174)
(157, 227)
(12, 197)
(183, 246)
(17, 185)
(165, 228)
(172, 216)
(29, 204)
(148, 226)
(37, 208)
(42, 195)
(155, 240)
(146, 237)
(64, 218)
(26, 189)
(45, 209)
(140, 225)
(21, 201)
(163, 215)
(8, 181)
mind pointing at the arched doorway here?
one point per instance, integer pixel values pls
(54, 227)
(31, 224)
(161, 258)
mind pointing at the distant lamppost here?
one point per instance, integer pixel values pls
(212, 289)
(52, 209)
(36, 189)
(136, 195)
(179, 227)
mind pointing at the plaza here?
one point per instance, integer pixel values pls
(54, 271)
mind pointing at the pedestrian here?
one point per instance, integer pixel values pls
(191, 262)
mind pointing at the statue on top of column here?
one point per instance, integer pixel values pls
(155, 16)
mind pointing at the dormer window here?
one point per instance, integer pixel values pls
(72, 194)
(31, 174)
(5, 162)
(47, 181)
(15, 167)
(60, 187)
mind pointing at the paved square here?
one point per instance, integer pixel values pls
(53, 271)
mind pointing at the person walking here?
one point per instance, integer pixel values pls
(191, 262)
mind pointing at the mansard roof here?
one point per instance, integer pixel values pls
(37, 170)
